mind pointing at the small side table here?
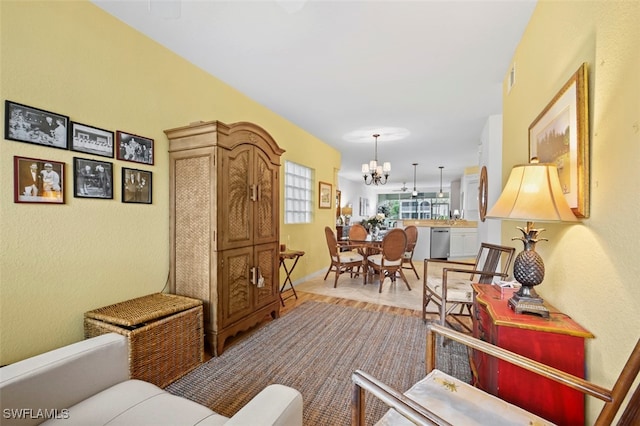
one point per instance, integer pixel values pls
(294, 255)
(557, 341)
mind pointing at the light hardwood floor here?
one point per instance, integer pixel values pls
(291, 303)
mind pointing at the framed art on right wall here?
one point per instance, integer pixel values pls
(560, 135)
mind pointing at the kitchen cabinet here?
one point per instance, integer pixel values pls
(463, 242)
(224, 224)
(557, 341)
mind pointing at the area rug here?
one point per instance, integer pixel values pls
(314, 349)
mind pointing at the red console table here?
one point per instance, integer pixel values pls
(557, 341)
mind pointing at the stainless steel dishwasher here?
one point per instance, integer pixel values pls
(439, 243)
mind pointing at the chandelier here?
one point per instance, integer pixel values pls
(372, 172)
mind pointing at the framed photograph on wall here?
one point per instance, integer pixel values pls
(23, 123)
(134, 148)
(560, 135)
(324, 197)
(92, 178)
(91, 140)
(38, 181)
(363, 209)
(136, 186)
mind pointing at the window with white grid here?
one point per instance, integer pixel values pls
(298, 193)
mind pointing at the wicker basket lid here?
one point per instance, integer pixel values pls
(143, 309)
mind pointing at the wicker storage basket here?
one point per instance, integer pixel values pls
(164, 331)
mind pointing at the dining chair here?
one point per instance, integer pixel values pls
(357, 232)
(451, 289)
(412, 239)
(389, 261)
(341, 261)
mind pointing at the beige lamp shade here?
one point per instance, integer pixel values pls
(347, 210)
(533, 193)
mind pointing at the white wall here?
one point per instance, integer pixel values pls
(352, 191)
(490, 155)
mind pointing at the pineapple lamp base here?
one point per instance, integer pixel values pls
(528, 270)
(527, 301)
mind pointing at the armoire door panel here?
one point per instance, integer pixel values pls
(237, 291)
(236, 213)
(266, 257)
(267, 206)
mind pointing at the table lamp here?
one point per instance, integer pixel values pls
(533, 194)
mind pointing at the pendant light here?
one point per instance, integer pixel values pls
(415, 191)
(441, 194)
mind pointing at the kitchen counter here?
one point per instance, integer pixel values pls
(442, 223)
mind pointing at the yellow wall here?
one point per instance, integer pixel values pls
(58, 261)
(592, 268)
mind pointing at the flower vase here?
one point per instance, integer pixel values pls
(375, 231)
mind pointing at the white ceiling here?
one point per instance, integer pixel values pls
(434, 68)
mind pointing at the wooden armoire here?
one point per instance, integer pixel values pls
(224, 224)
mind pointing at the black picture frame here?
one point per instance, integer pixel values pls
(137, 186)
(44, 185)
(92, 178)
(23, 123)
(90, 140)
(134, 148)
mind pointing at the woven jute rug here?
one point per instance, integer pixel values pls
(314, 349)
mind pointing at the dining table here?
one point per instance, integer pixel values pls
(366, 247)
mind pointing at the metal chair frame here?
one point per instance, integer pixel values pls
(613, 397)
(490, 255)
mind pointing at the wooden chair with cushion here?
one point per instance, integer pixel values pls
(358, 232)
(440, 399)
(412, 239)
(450, 288)
(341, 261)
(389, 261)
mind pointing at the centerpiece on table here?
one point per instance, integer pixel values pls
(374, 223)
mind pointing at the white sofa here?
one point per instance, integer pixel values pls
(87, 383)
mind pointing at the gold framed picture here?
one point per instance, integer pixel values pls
(324, 195)
(560, 135)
